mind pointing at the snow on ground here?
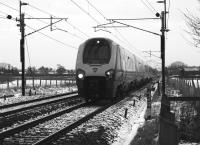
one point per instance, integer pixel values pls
(40, 93)
(110, 127)
(182, 143)
(126, 137)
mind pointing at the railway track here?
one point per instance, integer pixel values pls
(35, 100)
(40, 110)
(60, 132)
(35, 122)
(18, 107)
(50, 127)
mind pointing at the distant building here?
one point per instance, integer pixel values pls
(6, 66)
(188, 71)
(191, 69)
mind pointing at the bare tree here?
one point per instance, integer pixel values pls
(31, 71)
(60, 69)
(44, 70)
(193, 23)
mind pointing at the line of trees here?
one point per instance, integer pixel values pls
(30, 71)
(12, 71)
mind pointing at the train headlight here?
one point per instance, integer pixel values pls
(80, 74)
(109, 73)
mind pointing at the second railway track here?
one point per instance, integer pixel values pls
(17, 118)
(33, 101)
(52, 126)
(15, 109)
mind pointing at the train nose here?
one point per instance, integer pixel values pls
(95, 69)
(95, 86)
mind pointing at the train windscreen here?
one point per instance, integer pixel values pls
(97, 51)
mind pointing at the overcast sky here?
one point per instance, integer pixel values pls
(49, 48)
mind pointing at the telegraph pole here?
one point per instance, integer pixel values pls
(163, 30)
(22, 30)
(22, 51)
(168, 129)
(163, 15)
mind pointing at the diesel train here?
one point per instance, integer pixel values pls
(105, 70)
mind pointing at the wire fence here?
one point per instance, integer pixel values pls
(187, 87)
(35, 82)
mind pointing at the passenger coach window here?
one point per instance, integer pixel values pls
(97, 51)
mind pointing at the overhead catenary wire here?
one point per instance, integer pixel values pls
(72, 34)
(2, 17)
(151, 6)
(3, 13)
(85, 12)
(125, 40)
(41, 32)
(8, 6)
(18, 11)
(78, 29)
(96, 9)
(93, 17)
(46, 12)
(32, 16)
(104, 18)
(150, 9)
(129, 43)
(54, 39)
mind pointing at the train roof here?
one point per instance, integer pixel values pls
(112, 41)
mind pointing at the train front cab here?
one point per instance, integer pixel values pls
(95, 75)
(92, 88)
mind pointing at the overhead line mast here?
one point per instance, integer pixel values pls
(22, 30)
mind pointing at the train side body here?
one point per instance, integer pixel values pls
(105, 70)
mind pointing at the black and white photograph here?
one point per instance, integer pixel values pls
(99, 72)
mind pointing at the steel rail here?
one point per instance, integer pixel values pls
(35, 100)
(36, 105)
(73, 125)
(30, 124)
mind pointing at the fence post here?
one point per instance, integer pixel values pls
(8, 84)
(17, 83)
(148, 112)
(198, 91)
(40, 82)
(186, 89)
(70, 83)
(25, 83)
(198, 88)
(33, 83)
(191, 89)
(194, 89)
(45, 82)
(177, 84)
